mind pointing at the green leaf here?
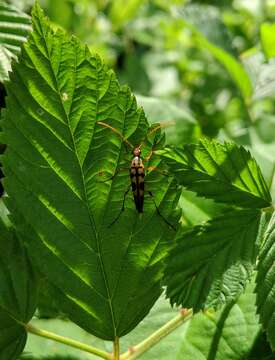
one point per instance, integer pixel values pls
(266, 283)
(17, 292)
(211, 264)
(58, 161)
(14, 28)
(267, 39)
(224, 172)
(201, 18)
(228, 334)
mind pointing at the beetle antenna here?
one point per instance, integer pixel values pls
(161, 126)
(117, 132)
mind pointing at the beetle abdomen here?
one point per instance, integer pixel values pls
(137, 181)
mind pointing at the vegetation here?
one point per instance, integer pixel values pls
(73, 248)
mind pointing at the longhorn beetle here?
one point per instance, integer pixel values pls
(137, 175)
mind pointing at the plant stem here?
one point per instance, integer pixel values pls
(67, 341)
(116, 348)
(166, 329)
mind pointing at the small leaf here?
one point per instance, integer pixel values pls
(14, 28)
(266, 283)
(211, 264)
(66, 182)
(224, 172)
(228, 334)
(267, 39)
(17, 292)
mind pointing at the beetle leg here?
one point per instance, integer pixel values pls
(122, 208)
(159, 213)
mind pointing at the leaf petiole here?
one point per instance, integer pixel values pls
(116, 348)
(137, 350)
(67, 341)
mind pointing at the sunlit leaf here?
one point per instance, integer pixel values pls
(66, 182)
(211, 264)
(224, 172)
(14, 28)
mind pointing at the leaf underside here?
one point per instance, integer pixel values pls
(223, 172)
(211, 264)
(57, 165)
(266, 283)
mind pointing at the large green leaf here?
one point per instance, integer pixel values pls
(14, 28)
(228, 334)
(17, 291)
(266, 282)
(58, 161)
(211, 263)
(224, 172)
(211, 34)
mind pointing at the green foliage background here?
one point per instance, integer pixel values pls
(209, 67)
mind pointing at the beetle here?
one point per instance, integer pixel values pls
(137, 175)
